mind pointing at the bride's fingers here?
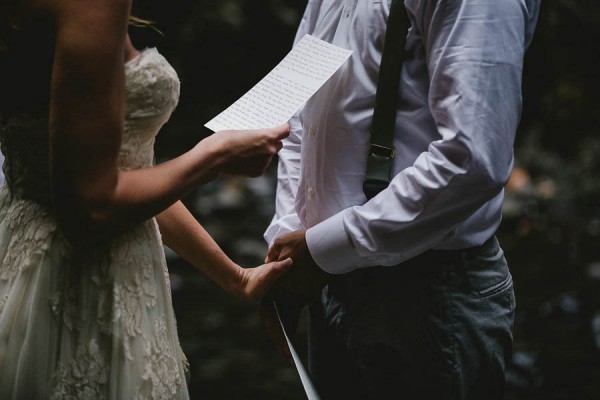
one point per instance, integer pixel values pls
(281, 267)
(262, 278)
(276, 133)
(277, 270)
(281, 132)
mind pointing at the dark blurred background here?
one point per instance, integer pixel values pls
(551, 227)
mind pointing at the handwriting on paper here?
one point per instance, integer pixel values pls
(280, 94)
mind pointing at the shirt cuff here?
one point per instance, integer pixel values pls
(330, 247)
(289, 223)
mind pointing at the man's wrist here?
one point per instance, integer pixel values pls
(331, 248)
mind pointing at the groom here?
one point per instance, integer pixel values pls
(410, 294)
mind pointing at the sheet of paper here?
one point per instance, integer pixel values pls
(280, 94)
(309, 387)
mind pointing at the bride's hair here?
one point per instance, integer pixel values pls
(143, 23)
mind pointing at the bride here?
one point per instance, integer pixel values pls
(85, 306)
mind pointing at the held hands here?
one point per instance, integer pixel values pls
(306, 280)
(301, 285)
(254, 283)
(247, 152)
(303, 282)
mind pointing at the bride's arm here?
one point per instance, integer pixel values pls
(182, 233)
(87, 108)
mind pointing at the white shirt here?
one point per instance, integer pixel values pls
(459, 107)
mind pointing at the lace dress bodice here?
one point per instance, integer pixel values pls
(152, 92)
(97, 324)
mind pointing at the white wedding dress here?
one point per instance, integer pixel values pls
(98, 325)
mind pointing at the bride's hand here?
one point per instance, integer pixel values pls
(246, 152)
(256, 282)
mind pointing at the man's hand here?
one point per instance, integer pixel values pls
(305, 280)
(301, 285)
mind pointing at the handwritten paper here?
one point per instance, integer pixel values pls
(280, 94)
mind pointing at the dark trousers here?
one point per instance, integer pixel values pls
(436, 327)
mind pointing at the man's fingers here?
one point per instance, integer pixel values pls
(274, 250)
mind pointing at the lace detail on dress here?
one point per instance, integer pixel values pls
(88, 313)
(136, 291)
(3, 302)
(162, 371)
(126, 283)
(32, 228)
(85, 377)
(123, 272)
(152, 92)
(152, 86)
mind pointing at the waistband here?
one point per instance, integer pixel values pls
(432, 261)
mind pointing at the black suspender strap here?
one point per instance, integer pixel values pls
(381, 148)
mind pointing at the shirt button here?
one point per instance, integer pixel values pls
(313, 131)
(347, 12)
(311, 192)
